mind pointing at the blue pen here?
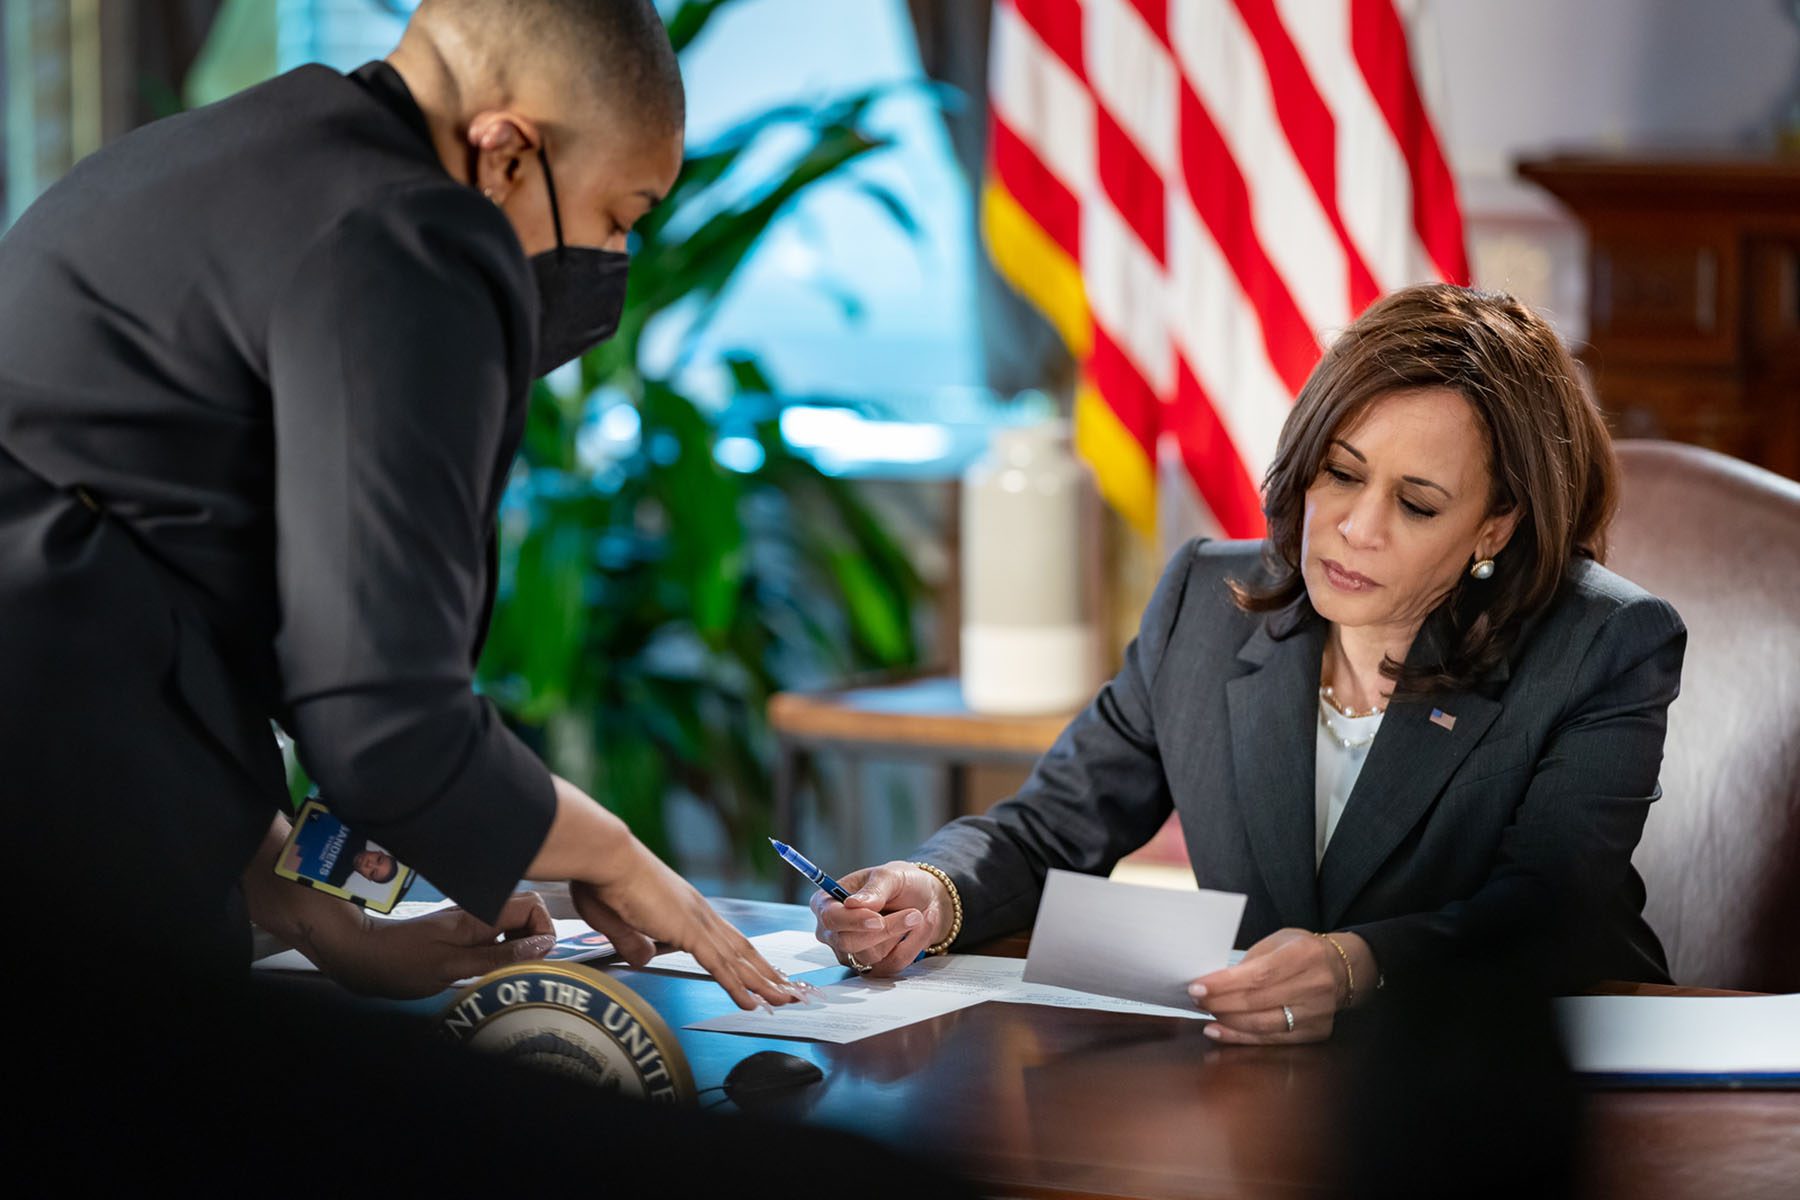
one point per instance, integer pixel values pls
(824, 882)
(802, 864)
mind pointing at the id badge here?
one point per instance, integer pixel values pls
(324, 853)
(580, 947)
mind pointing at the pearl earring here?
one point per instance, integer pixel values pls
(1483, 569)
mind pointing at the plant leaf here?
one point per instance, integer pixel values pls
(700, 498)
(895, 207)
(686, 23)
(874, 611)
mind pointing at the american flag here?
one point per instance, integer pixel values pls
(1196, 193)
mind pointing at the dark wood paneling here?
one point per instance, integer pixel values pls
(1694, 297)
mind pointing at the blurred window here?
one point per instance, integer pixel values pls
(841, 300)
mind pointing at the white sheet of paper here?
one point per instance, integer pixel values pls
(790, 951)
(406, 910)
(1005, 978)
(285, 960)
(1127, 940)
(1715, 1035)
(861, 1007)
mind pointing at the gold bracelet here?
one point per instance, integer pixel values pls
(1349, 971)
(956, 908)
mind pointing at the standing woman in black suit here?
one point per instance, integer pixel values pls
(1418, 720)
(264, 368)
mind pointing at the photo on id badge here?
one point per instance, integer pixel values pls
(579, 947)
(324, 853)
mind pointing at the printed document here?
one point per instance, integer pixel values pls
(790, 951)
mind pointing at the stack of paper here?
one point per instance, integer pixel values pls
(1728, 1037)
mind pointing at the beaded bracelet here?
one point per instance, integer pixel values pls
(956, 908)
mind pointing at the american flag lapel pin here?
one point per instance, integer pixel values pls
(1442, 719)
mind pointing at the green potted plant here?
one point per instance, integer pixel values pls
(652, 597)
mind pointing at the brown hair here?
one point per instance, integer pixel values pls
(1548, 452)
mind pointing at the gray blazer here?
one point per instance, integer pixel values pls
(1509, 834)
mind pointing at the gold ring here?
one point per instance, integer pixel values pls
(859, 968)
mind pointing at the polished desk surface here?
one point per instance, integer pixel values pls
(926, 712)
(1029, 1100)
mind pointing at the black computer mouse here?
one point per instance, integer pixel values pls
(768, 1074)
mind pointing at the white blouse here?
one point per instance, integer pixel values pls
(1337, 769)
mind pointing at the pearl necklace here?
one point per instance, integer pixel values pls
(1327, 705)
(1330, 697)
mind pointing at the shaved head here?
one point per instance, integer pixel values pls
(507, 86)
(604, 58)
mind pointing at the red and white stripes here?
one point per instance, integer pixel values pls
(1197, 193)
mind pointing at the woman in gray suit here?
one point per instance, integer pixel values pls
(1418, 720)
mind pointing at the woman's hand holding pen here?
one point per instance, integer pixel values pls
(894, 911)
(1290, 971)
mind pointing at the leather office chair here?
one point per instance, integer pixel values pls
(1720, 540)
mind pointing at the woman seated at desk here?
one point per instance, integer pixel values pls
(1418, 720)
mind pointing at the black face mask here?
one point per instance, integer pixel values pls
(581, 292)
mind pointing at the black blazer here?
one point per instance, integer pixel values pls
(1512, 831)
(263, 369)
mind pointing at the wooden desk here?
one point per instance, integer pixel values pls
(920, 719)
(1033, 1101)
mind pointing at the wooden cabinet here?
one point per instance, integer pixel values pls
(1693, 296)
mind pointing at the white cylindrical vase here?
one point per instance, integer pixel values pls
(1027, 639)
